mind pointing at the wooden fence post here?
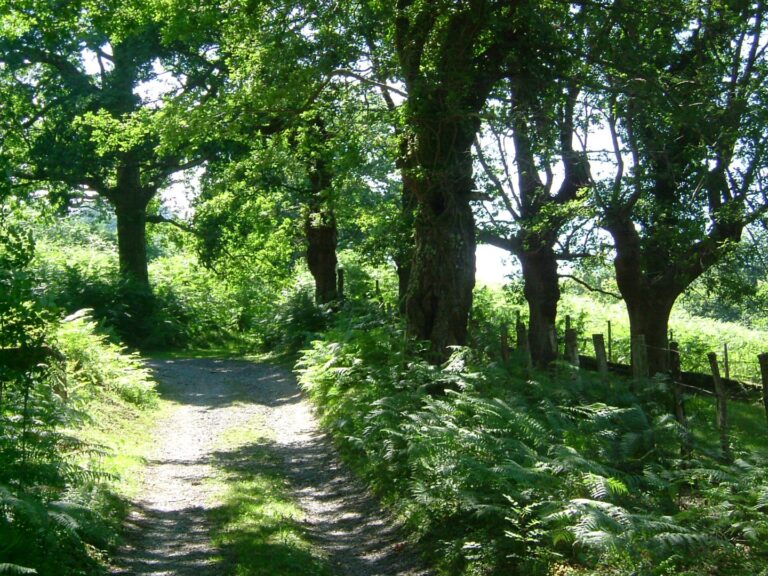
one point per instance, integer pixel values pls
(726, 364)
(677, 395)
(505, 342)
(602, 361)
(572, 346)
(674, 361)
(639, 354)
(722, 407)
(610, 343)
(522, 343)
(553, 337)
(521, 334)
(763, 359)
(340, 283)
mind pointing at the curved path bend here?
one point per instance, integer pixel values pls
(168, 531)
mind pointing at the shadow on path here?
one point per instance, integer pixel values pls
(169, 531)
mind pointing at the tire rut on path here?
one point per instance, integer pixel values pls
(168, 531)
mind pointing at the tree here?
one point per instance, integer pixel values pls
(684, 98)
(76, 73)
(450, 57)
(541, 123)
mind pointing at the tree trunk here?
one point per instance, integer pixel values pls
(443, 273)
(132, 242)
(542, 292)
(320, 226)
(648, 295)
(443, 277)
(649, 316)
(449, 71)
(321, 234)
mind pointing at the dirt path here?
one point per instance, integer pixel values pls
(168, 531)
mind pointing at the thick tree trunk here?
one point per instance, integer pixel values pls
(132, 243)
(542, 292)
(648, 295)
(443, 273)
(649, 316)
(443, 276)
(449, 72)
(321, 233)
(320, 226)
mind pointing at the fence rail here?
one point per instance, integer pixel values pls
(722, 388)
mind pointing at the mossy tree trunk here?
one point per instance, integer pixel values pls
(320, 226)
(450, 58)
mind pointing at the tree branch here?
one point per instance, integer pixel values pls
(366, 80)
(495, 180)
(159, 219)
(590, 287)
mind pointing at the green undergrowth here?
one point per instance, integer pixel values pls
(84, 436)
(76, 261)
(496, 471)
(258, 525)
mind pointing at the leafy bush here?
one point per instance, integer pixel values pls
(192, 307)
(294, 322)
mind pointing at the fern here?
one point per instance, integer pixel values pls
(520, 474)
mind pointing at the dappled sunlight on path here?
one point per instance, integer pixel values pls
(169, 530)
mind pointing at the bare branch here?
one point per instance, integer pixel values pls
(366, 80)
(590, 287)
(495, 179)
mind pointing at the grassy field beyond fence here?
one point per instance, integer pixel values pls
(696, 336)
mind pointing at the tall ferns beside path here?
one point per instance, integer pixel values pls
(57, 509)
(498, 473)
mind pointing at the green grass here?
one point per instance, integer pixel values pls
(258, 525)
(747, 425)
(696, 336)
(220, 352)
(124, 432)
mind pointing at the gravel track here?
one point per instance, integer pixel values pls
(167, 533)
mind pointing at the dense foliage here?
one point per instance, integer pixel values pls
(334, 160)
(501, 472)
(57, 512)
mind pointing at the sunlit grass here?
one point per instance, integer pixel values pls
(219, 352)
(747, 425)
(258, 526)
(696, 336)
(124, 432)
